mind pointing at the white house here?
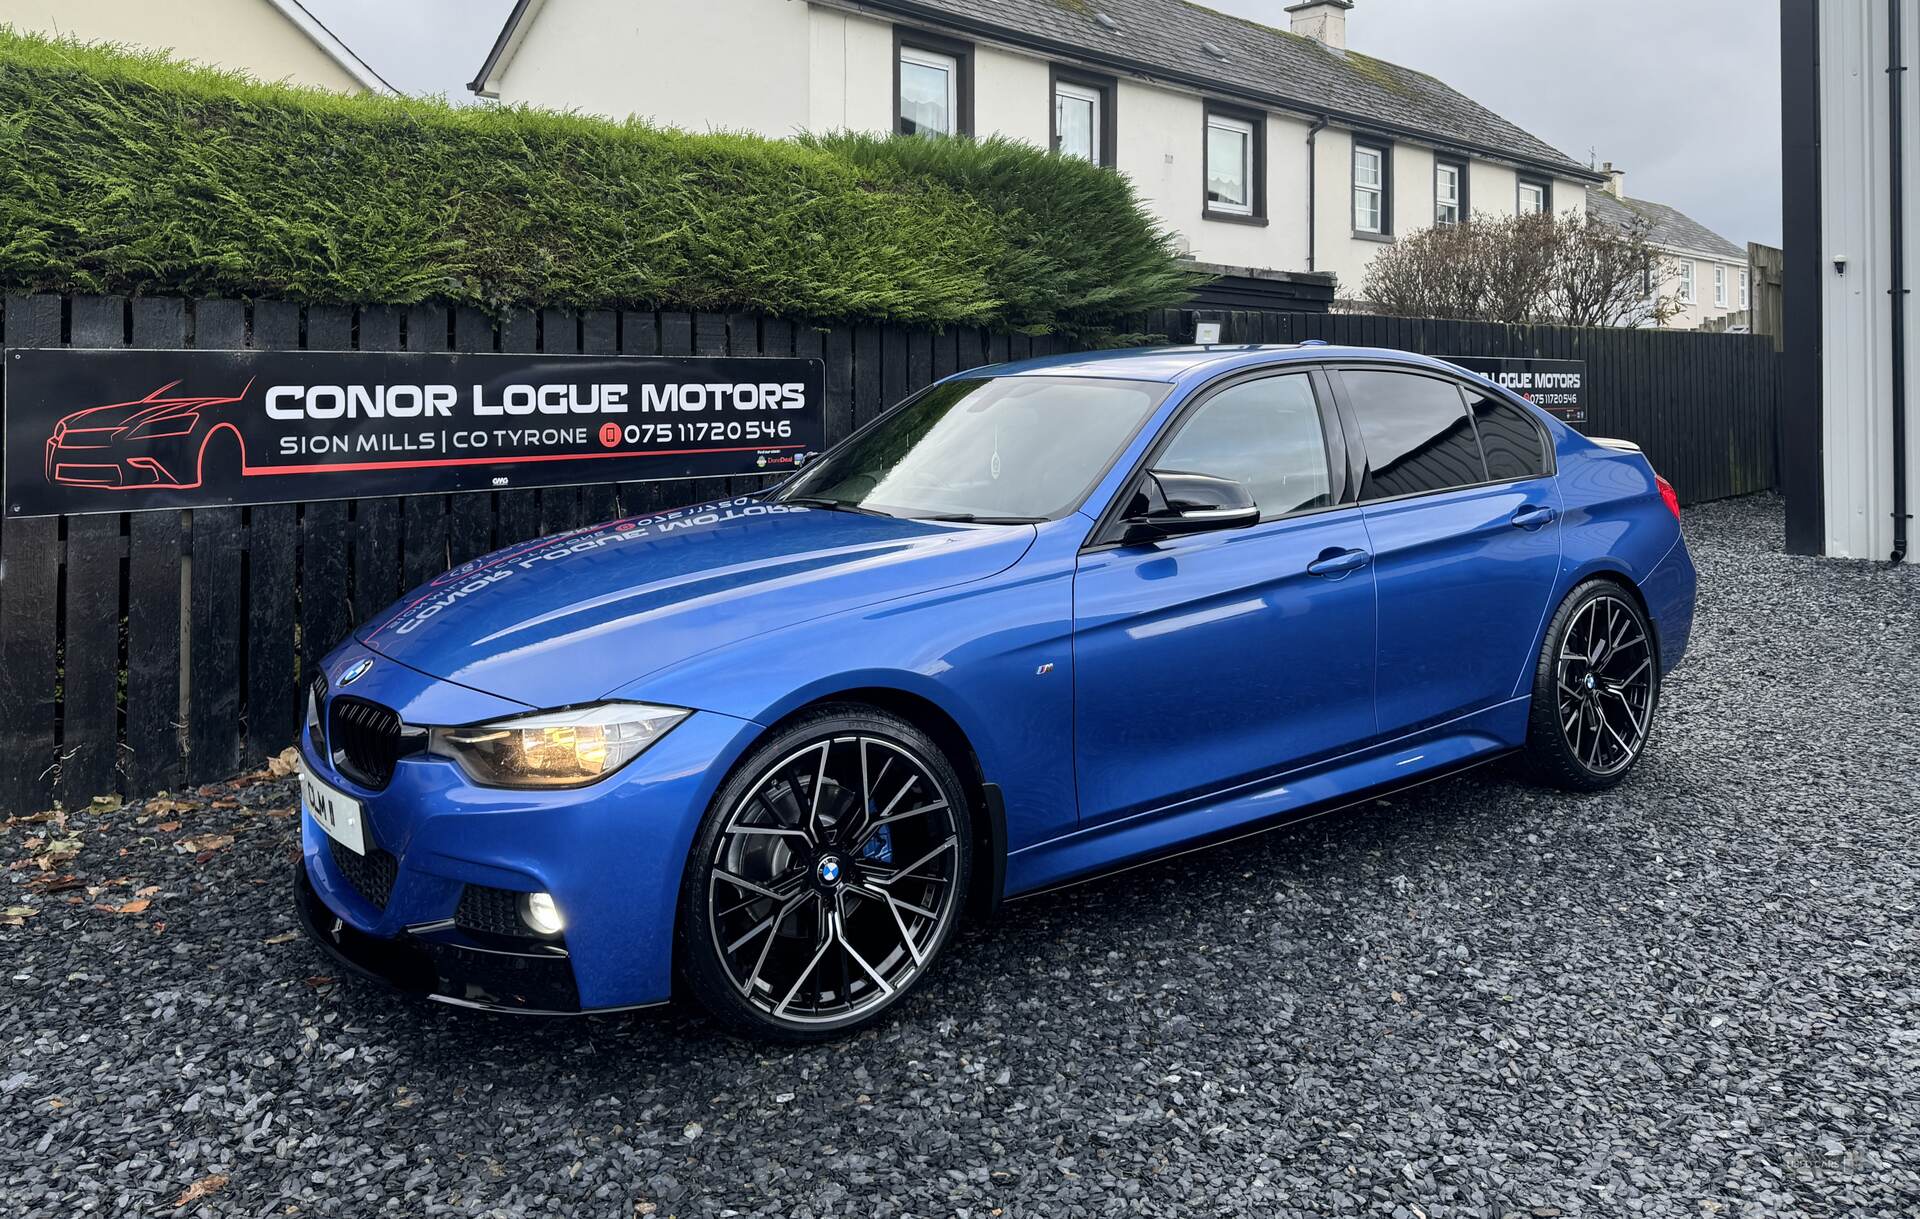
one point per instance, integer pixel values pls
(1259, 147)
(272, 40)
(1850, 438)
(1705, 274)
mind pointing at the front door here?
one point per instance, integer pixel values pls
(1220, 658)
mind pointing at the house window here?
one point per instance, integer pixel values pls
(1536, 198)
(932, 84)
(1449, 192)
(1371, 213)
(1719, 287)
(1234, 148)
(1083, 118)
(1745, 291)
(1686, 281)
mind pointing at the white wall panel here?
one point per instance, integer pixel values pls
(1857, 424)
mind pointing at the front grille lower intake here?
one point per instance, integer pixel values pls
(489, 910)
(371, 875)
(365, 740)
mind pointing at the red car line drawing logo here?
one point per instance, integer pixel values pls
(156, 441)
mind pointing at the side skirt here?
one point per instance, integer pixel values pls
(1276, 803)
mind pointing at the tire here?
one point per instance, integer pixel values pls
(1596, 690)
(827, 877)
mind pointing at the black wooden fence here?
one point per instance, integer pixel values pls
(143, 651)
(1703, 406)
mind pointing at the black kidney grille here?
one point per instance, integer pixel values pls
(318, 694)
(371, 875)
(493, 911)
(365, 740)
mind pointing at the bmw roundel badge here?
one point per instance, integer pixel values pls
(829, 871)
(355, 671)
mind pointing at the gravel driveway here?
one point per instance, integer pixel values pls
(1693, 996)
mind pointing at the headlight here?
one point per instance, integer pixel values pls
(555, 748)
(173, 425)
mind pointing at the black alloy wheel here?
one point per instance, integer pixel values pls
(827, 877)
(1596, 689)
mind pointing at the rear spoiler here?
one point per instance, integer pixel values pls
(1608, 442)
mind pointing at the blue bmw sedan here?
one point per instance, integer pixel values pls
(1039, 622)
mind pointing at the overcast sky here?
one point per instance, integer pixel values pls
(1682, 94)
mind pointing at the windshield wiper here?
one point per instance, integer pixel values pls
(969, 518)
(836, 505)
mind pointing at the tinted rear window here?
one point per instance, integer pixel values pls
(1417, 433)
(1508, 437)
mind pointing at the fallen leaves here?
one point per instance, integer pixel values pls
(167, 827)
(17, 916)
(200, 1189)
(104, 804)
(284, 763)
(165, 807)
(203, 844)
(54, 847)
(137, 906)
(285, 937)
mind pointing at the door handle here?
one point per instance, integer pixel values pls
(1533, 516)
(1338, 562)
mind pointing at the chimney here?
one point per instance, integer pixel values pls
(1616, 180)
(1324, 21)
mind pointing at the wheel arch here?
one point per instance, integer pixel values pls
(1617, 573)
(200, 454)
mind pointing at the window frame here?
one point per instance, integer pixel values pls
(1255, 121)
(1462, 201)
(1720, 297)
(1543, 185)
(1106, 532)
(908, 39)
(1688, 273)
(1383, 151)
(1357, 440)
(1746, 288)
(1105, 89)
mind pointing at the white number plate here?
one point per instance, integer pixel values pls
(334, 811)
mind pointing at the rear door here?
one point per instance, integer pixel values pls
(1464, 520)
(1206, 661)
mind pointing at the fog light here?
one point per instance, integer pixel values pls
(538, 912)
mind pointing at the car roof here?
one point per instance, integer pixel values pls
(1190, 363)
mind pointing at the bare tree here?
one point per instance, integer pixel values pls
(1605, 275)
(1572, 269)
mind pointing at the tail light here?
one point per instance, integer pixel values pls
(1669, 495)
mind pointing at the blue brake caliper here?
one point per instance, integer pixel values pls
(879, 847)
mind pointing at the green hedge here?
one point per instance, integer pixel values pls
(130, 173)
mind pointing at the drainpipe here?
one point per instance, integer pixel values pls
(1313, 193)
(1897, 181)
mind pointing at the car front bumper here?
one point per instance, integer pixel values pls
(158, 462)
(612, 854)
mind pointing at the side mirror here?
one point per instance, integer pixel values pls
(1172, 503)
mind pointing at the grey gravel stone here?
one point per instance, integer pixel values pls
(1692, 996)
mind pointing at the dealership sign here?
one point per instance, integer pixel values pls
(113, 431)
(1558, 387)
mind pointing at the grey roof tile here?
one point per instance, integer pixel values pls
(1260, 60)
(1666, 226)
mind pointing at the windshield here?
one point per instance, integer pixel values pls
(989, 449)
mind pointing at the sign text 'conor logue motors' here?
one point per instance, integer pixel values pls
(1558, 387)
(114, 431)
